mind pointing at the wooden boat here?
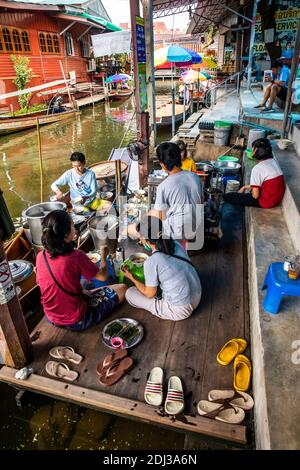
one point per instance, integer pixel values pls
(20, 124)
(5, 118)
(164, 113)
(118, 95)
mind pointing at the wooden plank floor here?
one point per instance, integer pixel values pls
(187, 348)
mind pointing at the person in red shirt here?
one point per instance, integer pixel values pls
(266, 181)
(59, 269)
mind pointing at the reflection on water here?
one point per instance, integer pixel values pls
(45, 423)
(94, 133)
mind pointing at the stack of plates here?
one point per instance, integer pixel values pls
(232, 186)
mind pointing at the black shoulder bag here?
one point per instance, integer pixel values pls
(92, 300)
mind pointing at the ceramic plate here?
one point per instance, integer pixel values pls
(125, 325)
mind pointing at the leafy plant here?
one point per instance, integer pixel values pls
(23, 76)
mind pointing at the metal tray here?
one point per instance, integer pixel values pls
(126, 322)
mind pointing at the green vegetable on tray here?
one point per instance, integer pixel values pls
(114, 329)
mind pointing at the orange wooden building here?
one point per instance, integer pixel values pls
(49, 32)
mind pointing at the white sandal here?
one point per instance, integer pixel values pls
(154, 387)
(174, 403)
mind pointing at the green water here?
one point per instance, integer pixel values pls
(94, 133)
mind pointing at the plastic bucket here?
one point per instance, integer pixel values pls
(255, 134)
(222, 132)
(249, 153)
(228, 158)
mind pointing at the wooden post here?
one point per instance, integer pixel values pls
(294, 65)
(40, 159)
(141, 117)
(15, 342)
(251, 45)
(64, 77)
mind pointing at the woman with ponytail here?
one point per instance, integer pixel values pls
(266, 188)
(168, 268)
(59, 269)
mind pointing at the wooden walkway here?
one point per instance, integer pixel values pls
(187, 348)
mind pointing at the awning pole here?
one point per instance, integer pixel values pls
(173, 103)
(184, 101)
(294, 65)
(40, 159)
(251, 45)
(66, 82)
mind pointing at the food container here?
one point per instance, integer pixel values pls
(227, 168)
(228, 158)
(35, 215)
(23, 274)
(204, 166)
(134, 264)
(283, 143)
(94, 257)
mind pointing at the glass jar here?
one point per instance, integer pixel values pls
(287, 262)
(294, 271)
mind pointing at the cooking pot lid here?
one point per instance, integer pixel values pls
(20, 269)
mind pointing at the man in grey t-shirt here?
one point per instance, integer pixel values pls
(179, 196)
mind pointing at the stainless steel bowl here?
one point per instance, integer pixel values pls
(204, 166)
(227, 168)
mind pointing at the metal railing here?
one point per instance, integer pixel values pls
(213, 96)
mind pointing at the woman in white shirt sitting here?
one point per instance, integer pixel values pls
(168, 268)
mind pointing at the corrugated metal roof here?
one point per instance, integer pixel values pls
(52, 2)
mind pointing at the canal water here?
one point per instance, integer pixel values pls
(44, 423)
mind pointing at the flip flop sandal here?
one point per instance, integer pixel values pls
(259, 106)
(241, 373)
(60, 370)
(222, 412)
(230, 350)
(67, 353)
(115, 372)
(174, 403)
(110, 360)
(241, 399)
(154, 387)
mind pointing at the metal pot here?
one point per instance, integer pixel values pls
(227, 168)
(23, 274)
(105, 231)
(35, 215)
(204, 166)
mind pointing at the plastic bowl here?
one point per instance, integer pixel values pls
(228, 158)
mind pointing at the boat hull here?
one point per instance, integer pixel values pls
(16, 125)
(119, 96)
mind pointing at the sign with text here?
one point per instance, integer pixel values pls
(286, 28)
(140, 40)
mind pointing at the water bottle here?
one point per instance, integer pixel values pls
(119, 259)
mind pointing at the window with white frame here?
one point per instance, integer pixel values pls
(69, 44)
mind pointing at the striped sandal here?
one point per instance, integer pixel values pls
(154, 387)
(174, 403)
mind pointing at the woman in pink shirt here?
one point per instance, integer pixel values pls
(59, 269)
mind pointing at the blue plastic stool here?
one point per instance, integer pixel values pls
(111, 277)
(278, 284)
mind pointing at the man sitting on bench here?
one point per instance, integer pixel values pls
(278, 86)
